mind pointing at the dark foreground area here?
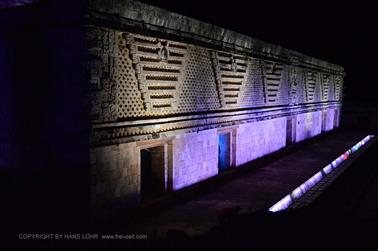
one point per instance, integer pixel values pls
(343, 216)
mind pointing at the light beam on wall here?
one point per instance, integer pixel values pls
(286, 201)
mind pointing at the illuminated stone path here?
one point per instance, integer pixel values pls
(255, 190)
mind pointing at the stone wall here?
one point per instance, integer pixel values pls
(115, 176)
(330, 120)
(256, 139)
(134, 77)
(114, 77)
(167, 82)
(195, 158)
(116, 170)
(130, 79)
(308, 125)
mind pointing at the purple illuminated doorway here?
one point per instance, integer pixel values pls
(324, 120)
(336, 118)
(224, 141)
(291, 130)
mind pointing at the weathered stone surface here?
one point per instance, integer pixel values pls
(131, 81)
(177, 83)
(308, 125)
(152, 18)
(158, 79)
(256, 139)
(195, 158)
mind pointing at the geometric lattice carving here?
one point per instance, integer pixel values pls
(159, 65)
(295, 61)
(231, 75)
(101, 71)
(293, 81)
(138, 76)
(310, 85)
(253, 94)
(338, 82)
(128, 97)
(272, 73)
(325, 78)
(199, 89)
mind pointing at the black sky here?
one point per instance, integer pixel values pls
(339, 32)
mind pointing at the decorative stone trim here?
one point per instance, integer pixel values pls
(159, 65)
(231, 74)
(127, 132)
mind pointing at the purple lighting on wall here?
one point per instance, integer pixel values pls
(286, 201)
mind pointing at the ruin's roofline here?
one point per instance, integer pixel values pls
(138, 16)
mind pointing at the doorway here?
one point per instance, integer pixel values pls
(336, 118)
(152, 173)
(291, 123)
(324, 120)
(224, 140)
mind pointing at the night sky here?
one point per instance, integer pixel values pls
(341, 33)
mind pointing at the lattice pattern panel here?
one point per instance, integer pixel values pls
(293, 82)
(272, 80)
(295, 59)
(199, 90)
(159, 65)
(129, 98)
(310, 85)
(338, 82)
(231, 74)
(253, 94)
(138, 76)
(102, 69)
(325, 86)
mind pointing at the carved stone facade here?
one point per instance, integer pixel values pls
(153, 85)
(231, 74)
(103, 72)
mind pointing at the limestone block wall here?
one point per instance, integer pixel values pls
(329, 119)
(308, 125)
(195, 157)
(115, 175)
(133, 77)
(255, 139)
(100, 85)
(161, 79)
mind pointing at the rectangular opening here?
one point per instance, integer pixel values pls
(152, 164)
(324, 120)
(336, 118)
(291, 123)
(224, 141)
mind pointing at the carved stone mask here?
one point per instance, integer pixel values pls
(234, 66)
(163, 51)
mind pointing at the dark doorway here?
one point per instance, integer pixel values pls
(290, 130)
(324, 120)
(152, 173)
(336, 118)
(224, 151)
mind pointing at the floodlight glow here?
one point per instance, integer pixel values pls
(285, 202)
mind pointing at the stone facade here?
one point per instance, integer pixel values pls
(195, 157)
(115, 175)
(172, 101)
(255, 140)
(158, 82)
(308, 125)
